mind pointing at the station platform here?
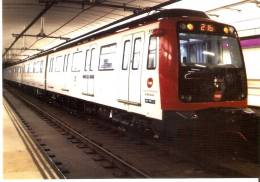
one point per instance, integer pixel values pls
(21, 158)
(18, 163)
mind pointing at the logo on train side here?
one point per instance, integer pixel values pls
(149, 82)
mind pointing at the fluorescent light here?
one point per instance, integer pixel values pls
(208, 53)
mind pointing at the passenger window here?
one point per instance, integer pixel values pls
(86, 61)
(76, 61)
(107, 56)
(38, 64)
(137, 53)
(41, 66)
(34, 68)
(92, 58)
(58, 64)
(126, 54)
(151, 62)
(66, 62)
(51, 65)
(29, 68)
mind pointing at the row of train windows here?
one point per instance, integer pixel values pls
(36, 67)
(15, 70)
(107, 57)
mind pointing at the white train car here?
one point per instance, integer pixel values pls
(94, 72)
(14, 73)
(34, 72)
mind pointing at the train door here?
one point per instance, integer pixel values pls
(57, 71)
(66, 72)
(92, 65)
(130, 91)
(88, 75)
(77, 65)
(135, 69)
(49, 80)
(124, 73)
(84, 85)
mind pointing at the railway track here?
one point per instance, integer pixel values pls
(120, 167)
(126, 169)
(44, 163)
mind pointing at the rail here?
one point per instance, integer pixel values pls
(120, 163)
(44, 164)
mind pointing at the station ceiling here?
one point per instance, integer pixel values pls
(71, 18)
(243, 14)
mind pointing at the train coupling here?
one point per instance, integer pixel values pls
(188, 115)
(248, 114)
(223, 113)
(248, 111)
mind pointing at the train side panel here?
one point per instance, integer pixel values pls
(111, 71)
(33, 73)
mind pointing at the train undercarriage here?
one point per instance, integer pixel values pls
(223, 125)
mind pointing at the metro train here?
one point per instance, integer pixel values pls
(169, 65)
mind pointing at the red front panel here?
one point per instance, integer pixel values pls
(168, 65)
(168, 74)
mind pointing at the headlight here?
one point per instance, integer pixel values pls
(242, 96)
(186, 98)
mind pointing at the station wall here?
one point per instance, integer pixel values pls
(251, 52)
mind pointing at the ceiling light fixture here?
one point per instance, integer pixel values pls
(216, 15)
(257, 2)
(233, 9)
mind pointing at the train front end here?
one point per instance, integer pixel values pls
(207, 76)
(211, 67)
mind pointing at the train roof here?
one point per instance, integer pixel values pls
(124, 23)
